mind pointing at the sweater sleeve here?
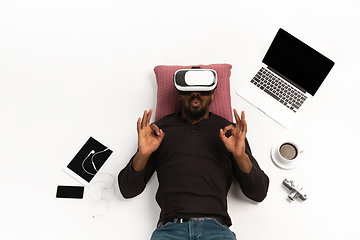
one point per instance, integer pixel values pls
(133, 183)
(255, 184)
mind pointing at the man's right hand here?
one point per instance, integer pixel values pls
(148, 142)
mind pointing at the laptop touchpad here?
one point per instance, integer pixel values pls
(266, 104)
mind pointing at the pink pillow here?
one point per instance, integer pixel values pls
(167, 96)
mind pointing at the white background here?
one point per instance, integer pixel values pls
(69, 68)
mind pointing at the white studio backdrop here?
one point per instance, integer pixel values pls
(71, 68)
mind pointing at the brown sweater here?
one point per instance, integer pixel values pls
(194, 170)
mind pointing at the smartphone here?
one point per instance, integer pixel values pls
(70, 192)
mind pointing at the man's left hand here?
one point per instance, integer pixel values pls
(236, 142)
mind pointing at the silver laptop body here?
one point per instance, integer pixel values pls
(290, 75)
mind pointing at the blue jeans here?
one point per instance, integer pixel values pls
(205, 230)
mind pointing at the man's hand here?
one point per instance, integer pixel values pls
(236, 142)
(148, 142)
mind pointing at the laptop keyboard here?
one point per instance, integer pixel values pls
(279, 89)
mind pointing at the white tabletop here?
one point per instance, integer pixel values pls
(70, 68)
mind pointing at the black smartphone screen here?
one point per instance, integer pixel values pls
(70, 192)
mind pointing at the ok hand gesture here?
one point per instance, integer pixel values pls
(236, 142)
(148, 142)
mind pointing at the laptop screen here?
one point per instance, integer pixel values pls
(298, 62)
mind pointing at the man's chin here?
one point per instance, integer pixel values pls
(195, 114)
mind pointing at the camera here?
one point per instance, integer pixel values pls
(295, 190)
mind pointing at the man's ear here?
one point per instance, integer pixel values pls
(212, 97)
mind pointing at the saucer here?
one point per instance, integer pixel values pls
(281, 163)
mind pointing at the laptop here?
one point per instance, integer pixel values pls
(290, 75)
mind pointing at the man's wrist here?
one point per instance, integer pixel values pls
(244, 162)
(140, 161)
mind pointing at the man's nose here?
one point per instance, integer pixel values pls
(195, 94)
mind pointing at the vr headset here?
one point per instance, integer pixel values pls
(195, 80)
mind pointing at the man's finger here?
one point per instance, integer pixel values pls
(243, 123)
(224, 131)
(149, 117)
(222, 135)
(228, 127)
(237, 118)
(155, 128)
(143, 120)
(138, 124)
(243, 115)
(161, 135)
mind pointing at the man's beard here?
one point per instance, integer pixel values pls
(195, 114)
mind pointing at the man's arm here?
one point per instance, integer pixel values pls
(133, 178)
(253, 181)
(254, 184)
(236, 142)
(132, 183)
(148, 142)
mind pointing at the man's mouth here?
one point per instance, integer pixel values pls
(195, 102)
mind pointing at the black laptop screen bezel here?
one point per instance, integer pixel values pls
(297, 61)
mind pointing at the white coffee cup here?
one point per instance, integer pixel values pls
(286, 154)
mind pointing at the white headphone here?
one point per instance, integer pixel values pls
(101, 191)
(92, 161)
(95, 193)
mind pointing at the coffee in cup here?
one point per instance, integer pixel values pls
(288, 151)
(286, 154)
